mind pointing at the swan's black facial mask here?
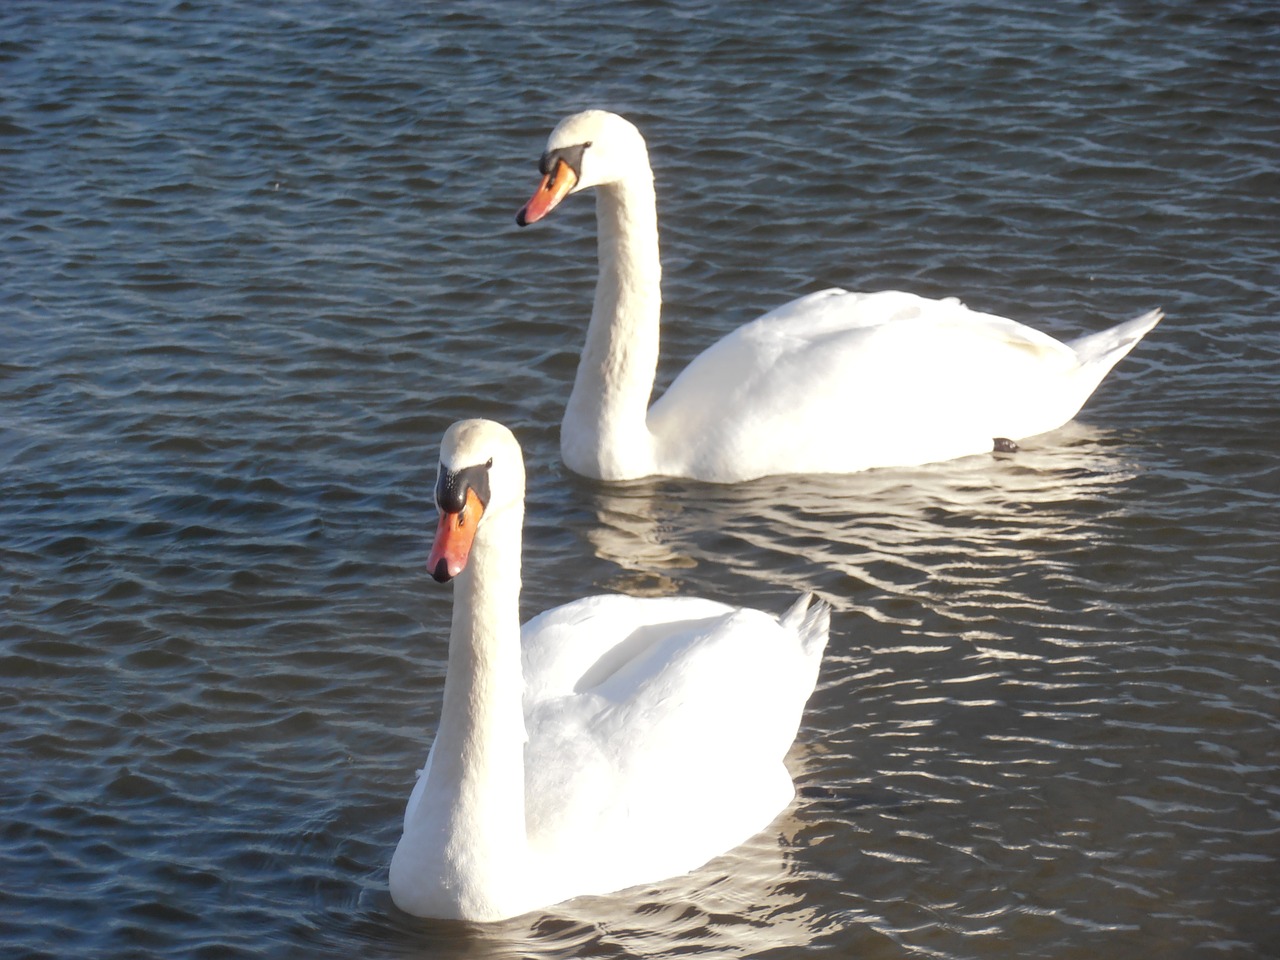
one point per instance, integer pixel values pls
(570, 155)
(452, 486)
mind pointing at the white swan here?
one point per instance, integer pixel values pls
(612, 741)
(834, 382)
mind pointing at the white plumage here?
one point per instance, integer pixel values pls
(609, 742)
(834, 382)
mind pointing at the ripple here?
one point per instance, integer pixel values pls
(263, 257)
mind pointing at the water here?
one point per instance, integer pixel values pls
(258, 256)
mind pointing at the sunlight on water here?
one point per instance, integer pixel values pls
(260, 256)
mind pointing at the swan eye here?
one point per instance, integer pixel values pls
(452, 486)
(571, 156)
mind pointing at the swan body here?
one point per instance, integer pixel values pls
(609, 742)
(834, 382)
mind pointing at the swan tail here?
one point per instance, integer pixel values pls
(811, 623)
(1099, 352)
(1107, 347)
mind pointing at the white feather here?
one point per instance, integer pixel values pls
(834, 382)
(609, 742)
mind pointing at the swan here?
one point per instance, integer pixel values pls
(834, 382)
(610, 742)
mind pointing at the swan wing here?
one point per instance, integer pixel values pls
(839, 382)
(568, 648)
(667, 748)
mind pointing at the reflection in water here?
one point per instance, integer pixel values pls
(939, 573)
(863, 540)
(236, 325)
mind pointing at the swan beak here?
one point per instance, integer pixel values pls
(454, 535)
(555, 187)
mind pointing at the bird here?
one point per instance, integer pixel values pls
(832, 382)
(609, 742)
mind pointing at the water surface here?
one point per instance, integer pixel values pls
(257, 258)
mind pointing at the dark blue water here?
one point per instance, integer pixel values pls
(256, 257)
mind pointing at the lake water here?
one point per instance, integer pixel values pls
(256, 258)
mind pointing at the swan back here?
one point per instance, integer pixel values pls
(837, 382)
(677, 713)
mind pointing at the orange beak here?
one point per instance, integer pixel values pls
(454, 535)
(555, 187)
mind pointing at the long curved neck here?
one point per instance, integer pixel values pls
(603, 434)
(470, 823)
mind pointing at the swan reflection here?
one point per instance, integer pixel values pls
(872, 536)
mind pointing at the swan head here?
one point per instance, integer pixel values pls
(481, 477)
(590, 149)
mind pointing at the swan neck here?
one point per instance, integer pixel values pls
(471, 819)
(483, 687)
(604, 433)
